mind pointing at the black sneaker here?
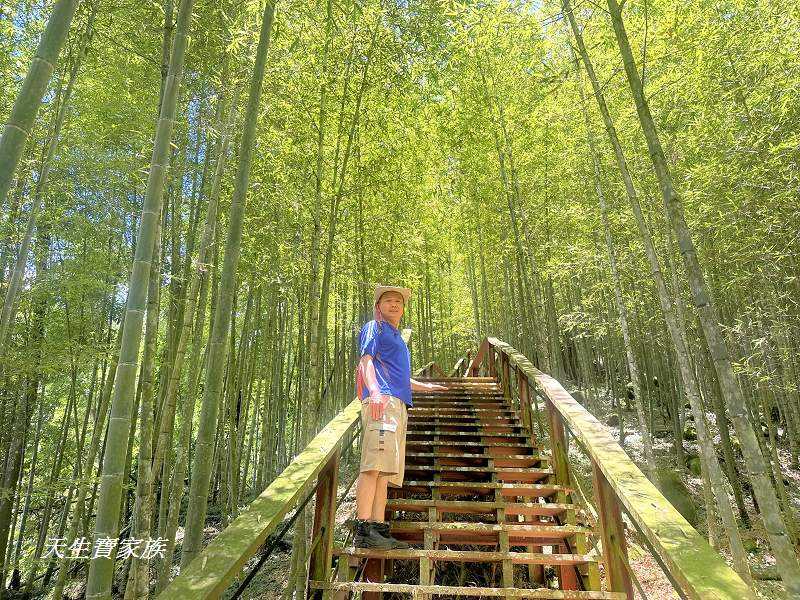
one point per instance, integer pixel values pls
(366, 536)
(383, 530)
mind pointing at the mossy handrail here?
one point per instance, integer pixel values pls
(212, 571)
(697, 569)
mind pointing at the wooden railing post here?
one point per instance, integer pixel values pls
(374, 571)
(324, 522)
(535, 572)
(506, 375)
(612, 533)
(523, 388)
(558, 446)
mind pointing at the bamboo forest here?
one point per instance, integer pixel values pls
(595, 204)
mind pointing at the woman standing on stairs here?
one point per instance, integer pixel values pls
(384, 387)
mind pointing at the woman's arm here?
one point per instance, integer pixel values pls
(377, 403)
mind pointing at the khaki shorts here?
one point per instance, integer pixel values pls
(383, 443)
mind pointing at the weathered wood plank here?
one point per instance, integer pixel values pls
(480, 434)
(519, 489)
(532, 529)
(456, 411)
(519, 558)
(480, 507)
(495, 424)
(525, 457)
(325, 518)
(505, 474)
(615, 551)
(470, 444)
(444, 590)
(214, 569)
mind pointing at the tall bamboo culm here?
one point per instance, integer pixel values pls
(26, 106)
(101, 570)
(217, 354)
(785, 555)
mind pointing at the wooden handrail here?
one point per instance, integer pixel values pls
(460, 366)
(692, 563)
(211, 572)
(424, 369)
(430, 369)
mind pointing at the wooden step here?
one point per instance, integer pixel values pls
(467, 424)
(508, 474)
(469, 386)
(470, 533)
(534, 490)
(458, 450)
(455, 459)
(522, 459)
(475, 379)
(543, 509)
(445, 433)
(456, 411)
(461, 401)
(464, 591)
(510, 471)
(454, 385)
(486, 424)
(449, 444)
(465, 393)
(458, 417)
(469, 556)
(462, 380)
(476, 392)
(463, 406)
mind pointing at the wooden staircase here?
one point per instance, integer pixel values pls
(478, 489)
(488, 507)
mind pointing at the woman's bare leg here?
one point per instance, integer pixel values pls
(379, 503)
(366, 493)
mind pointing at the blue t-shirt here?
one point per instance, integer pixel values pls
(392, 361)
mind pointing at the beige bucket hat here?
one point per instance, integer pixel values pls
(381, 289)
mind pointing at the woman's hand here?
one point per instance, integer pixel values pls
(421, 386)
(377, 404)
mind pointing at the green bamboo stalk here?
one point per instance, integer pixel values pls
(785, 555)
(26, 106)
(101, 570)
(17, 273)
(710, 463)
(201, 465)
(138, 574)
(196, 304)
(88, 466)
